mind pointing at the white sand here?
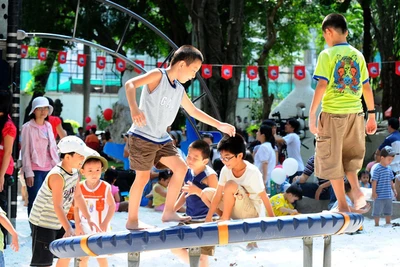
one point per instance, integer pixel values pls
(376, 246)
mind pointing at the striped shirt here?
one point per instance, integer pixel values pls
(383, 177)
(42, 213)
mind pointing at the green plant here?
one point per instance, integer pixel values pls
(102, 124)
(252, 127)
(74, 124)
(255, 106)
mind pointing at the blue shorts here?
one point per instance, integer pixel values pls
(382, 207)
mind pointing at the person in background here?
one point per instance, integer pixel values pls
(160, 190)
(81, 133)
(38, 147)
(282, 203)
(382, 186)
(365, 179)
(92, 140)
(209, 139)
(8, 133)
(56, 123)
(111, 176)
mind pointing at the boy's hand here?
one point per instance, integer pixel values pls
(93, 226)
(370, 126)
(395, 193)
(103, 227)
(227, 128)
(29, 181)
(190, 189)
(312, 124)
(138, 117)
(78, 229)
(374, 195)
(14, 243)
(69, 232)
(208, 218)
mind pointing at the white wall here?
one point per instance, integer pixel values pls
(73, 104)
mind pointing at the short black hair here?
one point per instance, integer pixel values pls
(295, 124)
(164, 175)
(394, 123)
(295, 190)
(208, 135)
(268, 122)
(232, 144)
(92, 160)
(187, 53)
(336, 21)
(202, 146)
(110, 175)
(249, 157)
(62, 155)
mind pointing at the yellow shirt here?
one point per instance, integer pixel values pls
(345, 70)
(157, 198)
(277, 202)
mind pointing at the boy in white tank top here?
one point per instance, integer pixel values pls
(149, 142)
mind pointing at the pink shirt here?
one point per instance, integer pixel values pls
(8, 129)
(38, 148)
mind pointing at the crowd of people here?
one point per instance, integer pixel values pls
(67, 178)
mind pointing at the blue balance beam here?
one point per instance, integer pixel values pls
(207, 234)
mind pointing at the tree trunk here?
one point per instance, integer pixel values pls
(388, 21)
(219, 47)
(41, 80)
(271, 39)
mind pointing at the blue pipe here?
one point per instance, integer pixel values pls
(207, 234)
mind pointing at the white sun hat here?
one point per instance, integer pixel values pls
(39, 102)
(73, 143)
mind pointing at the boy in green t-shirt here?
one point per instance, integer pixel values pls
(342, 79)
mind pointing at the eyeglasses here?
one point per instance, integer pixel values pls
(42, 108)
(226, 159)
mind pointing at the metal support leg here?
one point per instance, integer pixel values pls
(133, 259)
(76, 262)
(327, 251)
(307, 251)
(194, 256)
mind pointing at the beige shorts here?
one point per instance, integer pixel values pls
(340, 145)
(243, 208)
(143, 155)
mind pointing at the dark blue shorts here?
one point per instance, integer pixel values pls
(382, 207)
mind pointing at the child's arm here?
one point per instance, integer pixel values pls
(320, 188)
(211, 181)
(10, 228)
(81, 204)
(110, 212)
(288, 211)
(374, 195)
(214, 203)
(318, 94)
(77, 219)
(264, 167)
(152, 79)
(160, 190)
(370, 126)
(267, 203)
(198, 114)
(56, 185)
(179, 203)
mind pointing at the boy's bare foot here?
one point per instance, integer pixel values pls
(359, 200)
(174, 217)
(137, 225)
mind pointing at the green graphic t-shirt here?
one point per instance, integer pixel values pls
(345, 70)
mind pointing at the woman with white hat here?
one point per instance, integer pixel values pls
(38, 147)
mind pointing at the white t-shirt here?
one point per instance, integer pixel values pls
(251, 181)
(293, 144)
(265, 153)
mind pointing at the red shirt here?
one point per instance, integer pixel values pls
(11, 130)
(54, 121)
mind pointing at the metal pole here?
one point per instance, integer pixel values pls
(327, 251)
(307, 251)
(133, 259)
(194, 256)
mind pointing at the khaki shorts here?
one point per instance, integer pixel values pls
(243, 208)
(143, 155)
(340, 145)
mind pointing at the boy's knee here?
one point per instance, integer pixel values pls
(231, 186)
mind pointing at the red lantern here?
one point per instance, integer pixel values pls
(107, 114)
(88, 119)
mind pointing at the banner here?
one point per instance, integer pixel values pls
(42, 53)
(373, 69)
(398, 68)
(81, 60)
(206, 71)
(273, 72)
(299, 72)
(24, 51)
(140, 63)
(226, 72)
(120, 64)
(62, 57)
(252, 72)
(100, 62)
(161, 65)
